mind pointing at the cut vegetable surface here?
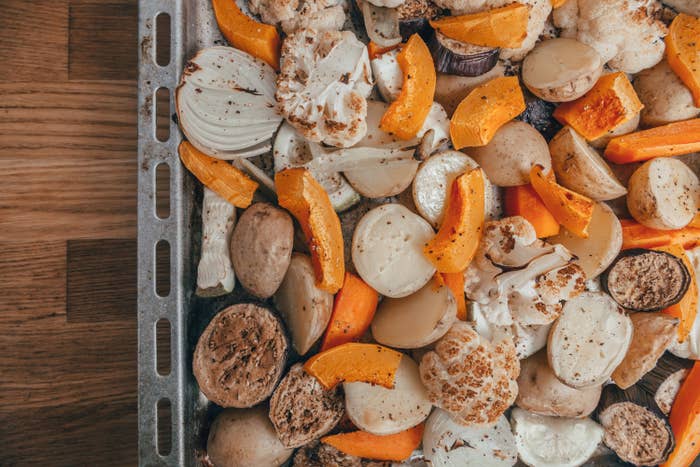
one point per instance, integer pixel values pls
(219, 176)
(636, 235)
(665, 380)
(298, 192)
(460, 58)
(683, 52)
(397, 447)
(685, 421)
(666, 99)
(484, 110)
(455, 282)
(523, 201)
(687, 308)
(673, 139)
(368, 363)
(500, 27)
(215, 275)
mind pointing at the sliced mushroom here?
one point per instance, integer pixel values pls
(459, 58)
(302, 410)
(240, 356)
(215, 275)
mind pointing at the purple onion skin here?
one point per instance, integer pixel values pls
(420, 26)
(451, 63)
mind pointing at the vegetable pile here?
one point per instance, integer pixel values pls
(472, 240)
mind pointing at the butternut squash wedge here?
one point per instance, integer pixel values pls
(455, 244)
(305, 198)
(570, 209)
(487, 108)
(636, 235)
(687, 308)
(375, 50)
(500, 27)
(674, 139)
(218, 175)
(525, 202)
(611, 102)
(406, 115)
(243, 32)
(683, 52)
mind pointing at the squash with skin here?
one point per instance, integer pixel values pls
(674, 139)
(500, 27)
(305, 198)
(455, 282)
(687, 309)
(525, 202)
(354, 362)
(375, 50)
(685, 421)
(397, 447)
(636, 235)
(570, 209)
(243, 32)
(683, 52)
(455, 244)
(487, 108)
(610, 103)
(405, 116)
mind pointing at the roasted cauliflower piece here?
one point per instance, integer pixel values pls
(323, 85)
(297, 14)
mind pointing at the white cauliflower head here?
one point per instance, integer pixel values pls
(323, 85)
(539, 12)
(626, 33)
(295, 14)
(470, 376)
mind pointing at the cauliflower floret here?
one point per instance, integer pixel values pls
(294, 14)
(539, 12)
(470, 376)
(323, 85)
(626, 33)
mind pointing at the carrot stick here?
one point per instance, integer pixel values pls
(636, 235)
(673, 139)
(353, 311)
(455, 281)
(375, 50)
(687, 308)
(397, 447)
(685, 421)
(524, 201)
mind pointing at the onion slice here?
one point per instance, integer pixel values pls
(381, 23)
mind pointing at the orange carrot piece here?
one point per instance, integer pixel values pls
(500, 27)
(397, 447)
(299, 193)
(674, 139)
(685, 421)
(353, 310)
(570, 209)
(687, 308)
(683, 52)
(524, 201)
(367, 363)
(406, 115)
(636, 235)
(558, 3)
(611, 102)
(375, 50)
(455, 244)
(243, 32)
(218, 175)
(455, 281)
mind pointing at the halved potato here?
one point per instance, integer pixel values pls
(622, 129)
(387, 250)
(580, 168)
(589, 340)
(595, 253)
(383, 411)
(416, 320)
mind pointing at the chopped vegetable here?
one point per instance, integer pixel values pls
(686, 309)
(299, 193)
(636, 235)
(524, 201)
(683, 52)
(381, 23)
(558, 3)
(368, 363)
(665, 379)
(611, 102)
(375, 51)
(215, 274)
(459, 58)
(395, 447)
(244, 33)
(406, 114)
(673, 139)
(500, 27)
(570, 209)
(353, 310)
(219, 176)
(484, 110)
(455, 282)
(455, 244)
(685, 421)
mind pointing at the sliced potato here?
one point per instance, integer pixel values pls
(416, 320)
(383, 411)
(434, 179)
(561, 70)
(513, 151)
(589, 340)
(387, 250)
(580, 168)
(666, 99)
(663, 194)
(305, 308)
(622, 129)
(554, 441)
(595, 253)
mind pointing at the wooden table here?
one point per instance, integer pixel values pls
(67, 232)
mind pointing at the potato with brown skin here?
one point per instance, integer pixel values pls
(261, 248)
(244, 438)
(541, 392)
(666, 99)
